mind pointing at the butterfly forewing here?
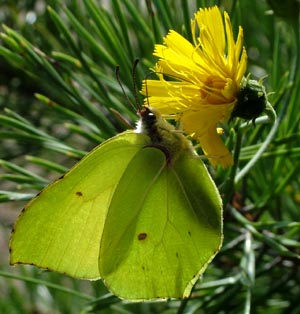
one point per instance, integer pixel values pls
(61, 228)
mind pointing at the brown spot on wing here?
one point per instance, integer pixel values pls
(142, 236)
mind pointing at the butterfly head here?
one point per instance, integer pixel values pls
(162, 134)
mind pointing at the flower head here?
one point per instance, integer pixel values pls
(206, 77)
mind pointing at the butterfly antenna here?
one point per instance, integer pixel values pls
(135, 87)
(117, 71)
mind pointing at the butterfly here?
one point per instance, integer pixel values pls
(140, 211)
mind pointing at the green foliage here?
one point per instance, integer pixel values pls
(58, 89)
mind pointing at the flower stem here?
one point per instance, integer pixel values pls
(272, 117)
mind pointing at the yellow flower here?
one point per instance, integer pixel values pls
(206, 78)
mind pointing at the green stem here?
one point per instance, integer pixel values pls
(228, 190)
(47, 284)
(272, 116)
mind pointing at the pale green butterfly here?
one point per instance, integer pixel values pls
(140, 211)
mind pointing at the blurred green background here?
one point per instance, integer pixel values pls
(57, 91)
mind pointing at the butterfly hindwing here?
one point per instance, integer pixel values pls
(163, 227)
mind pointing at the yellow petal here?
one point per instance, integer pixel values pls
(211, 20)
(242, 67)
(200, 122)
(214, 148)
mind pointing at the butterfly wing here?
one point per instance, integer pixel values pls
(163, 227)
(60, 228)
